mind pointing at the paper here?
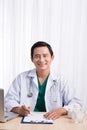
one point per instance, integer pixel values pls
(36, 118)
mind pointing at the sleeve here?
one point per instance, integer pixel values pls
(12, 98)
(70, 97)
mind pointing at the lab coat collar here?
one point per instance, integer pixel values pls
(52, 77)
(32, 73)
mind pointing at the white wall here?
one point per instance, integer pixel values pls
(62, 23)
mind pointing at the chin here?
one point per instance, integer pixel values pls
(43, 69)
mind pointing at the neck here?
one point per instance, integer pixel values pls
(42, 74)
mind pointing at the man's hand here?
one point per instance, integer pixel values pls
(23, 110)
(54, 114)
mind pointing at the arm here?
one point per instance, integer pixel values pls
(13, 96)
(68, 99)
(23, 110)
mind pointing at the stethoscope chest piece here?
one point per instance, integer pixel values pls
(30, 94)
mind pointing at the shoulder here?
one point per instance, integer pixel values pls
(26, 74)
(58, 77)
(60, 80)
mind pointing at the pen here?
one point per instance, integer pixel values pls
(25, 109)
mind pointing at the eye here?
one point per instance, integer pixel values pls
(45, 55)
(36, 56)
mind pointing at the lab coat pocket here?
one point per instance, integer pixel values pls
(53, 101)
(56, 100)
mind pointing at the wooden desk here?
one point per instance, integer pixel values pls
(63, 123)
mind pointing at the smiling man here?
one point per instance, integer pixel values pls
(39, 90)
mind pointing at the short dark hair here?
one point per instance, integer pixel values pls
(41, 44)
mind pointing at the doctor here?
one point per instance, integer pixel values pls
(39, 90)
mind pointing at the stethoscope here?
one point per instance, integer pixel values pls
(30, 94)
(55, 90)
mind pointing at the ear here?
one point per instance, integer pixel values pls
(52, 57)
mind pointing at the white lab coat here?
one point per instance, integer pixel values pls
(57, 96)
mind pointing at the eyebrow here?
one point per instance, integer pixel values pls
(41, 54)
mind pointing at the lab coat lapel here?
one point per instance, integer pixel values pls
(50, 82)
(33, 75)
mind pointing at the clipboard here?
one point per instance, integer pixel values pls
(35, 118)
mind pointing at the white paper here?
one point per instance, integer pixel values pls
(36, 118)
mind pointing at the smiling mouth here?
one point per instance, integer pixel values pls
(42, 65)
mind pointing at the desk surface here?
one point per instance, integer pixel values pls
(63, 123)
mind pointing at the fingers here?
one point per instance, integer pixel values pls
(52, 115)
(24, 110)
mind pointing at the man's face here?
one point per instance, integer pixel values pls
(42, 58)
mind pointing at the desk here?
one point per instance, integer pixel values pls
(63, 123)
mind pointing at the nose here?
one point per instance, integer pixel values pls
(41, 58)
